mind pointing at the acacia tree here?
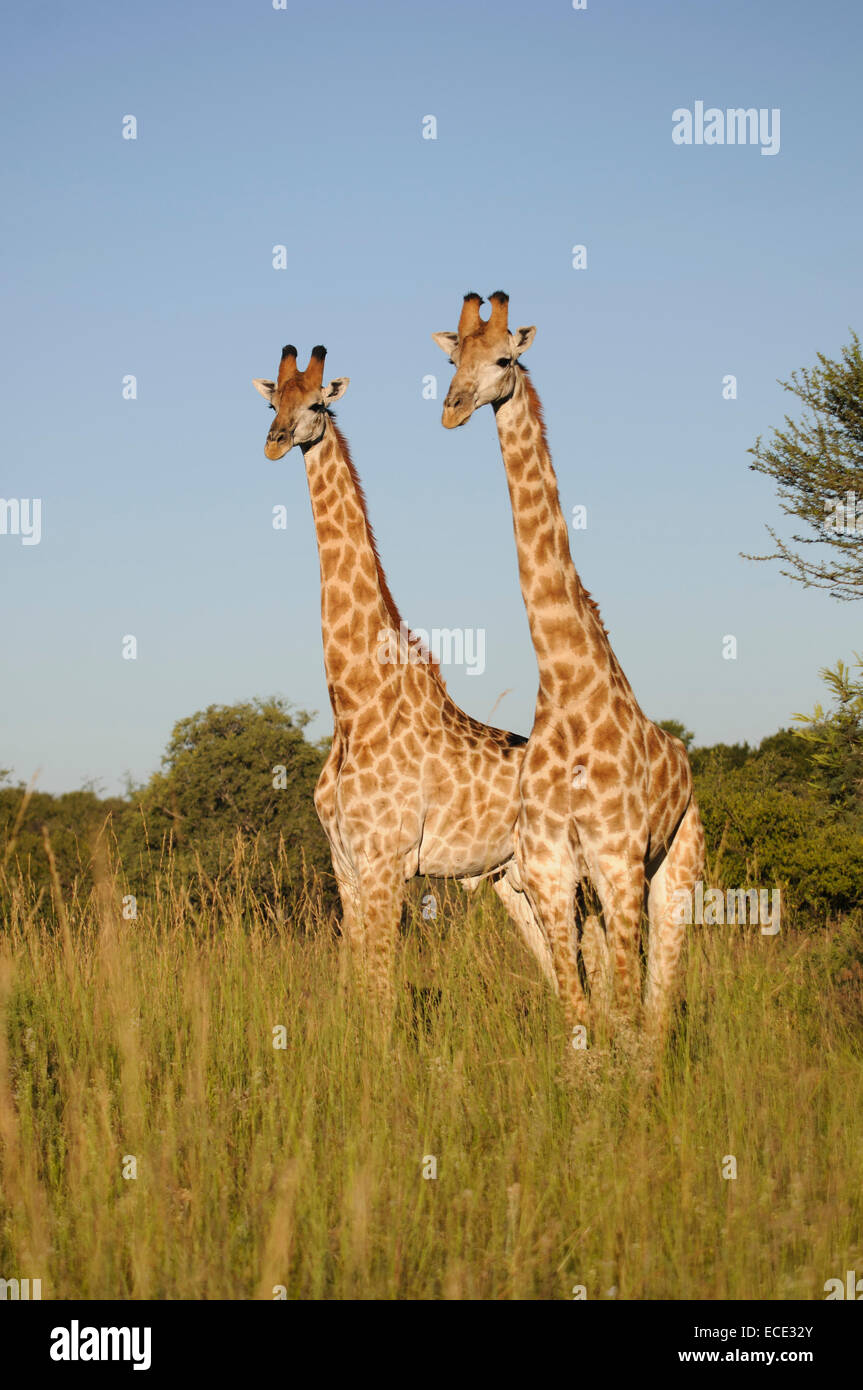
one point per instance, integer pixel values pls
(817, 463)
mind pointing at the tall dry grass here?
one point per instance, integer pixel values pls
(147, 1046)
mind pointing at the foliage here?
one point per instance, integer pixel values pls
(835, 738)
(217, 784)
(763, 829)
(72, 821)
(817, 463)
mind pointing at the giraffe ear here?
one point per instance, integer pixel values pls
(521, 340)
(336, 389)
(266, 388)
(447, 342)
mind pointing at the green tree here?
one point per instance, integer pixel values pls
(835, 737)
(71, 821)
(763, 831)
(726, 755)
(769, 821)
(242, 769)
(817, 463)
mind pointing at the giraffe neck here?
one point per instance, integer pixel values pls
(356, 605)
(569, 639)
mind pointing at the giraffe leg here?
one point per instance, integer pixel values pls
(380, 898)
(345, 875)
(619, 882)
(597, 961)
(346, 883)
(550, 885)
(679, 870)
(518, 906)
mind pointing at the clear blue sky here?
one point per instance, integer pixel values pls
(304, 127)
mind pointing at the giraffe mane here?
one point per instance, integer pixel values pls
(536, 407)
(386, 595)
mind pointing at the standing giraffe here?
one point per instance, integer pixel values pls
(606, 795)
(412, 785)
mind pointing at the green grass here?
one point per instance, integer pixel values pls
(303, 1166)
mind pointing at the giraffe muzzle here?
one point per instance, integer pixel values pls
(277, 445)
(457, 410)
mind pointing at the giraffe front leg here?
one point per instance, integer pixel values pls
(679, 871)
(349, 893)
(343, 869)
(380, 898)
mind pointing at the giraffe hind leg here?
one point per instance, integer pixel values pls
(679, 870)
(597, 961)
(550, 883)
(518, 906)
(619, 883)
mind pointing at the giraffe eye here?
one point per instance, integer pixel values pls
(317, 408)
(452, 364)
(504, 361)
(272, 407)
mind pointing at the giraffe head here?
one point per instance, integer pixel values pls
(485, 355)
(300, 400)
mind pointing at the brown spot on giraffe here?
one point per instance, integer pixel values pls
(607, 737)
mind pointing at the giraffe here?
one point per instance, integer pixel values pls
(606, 795)
(411, 785)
